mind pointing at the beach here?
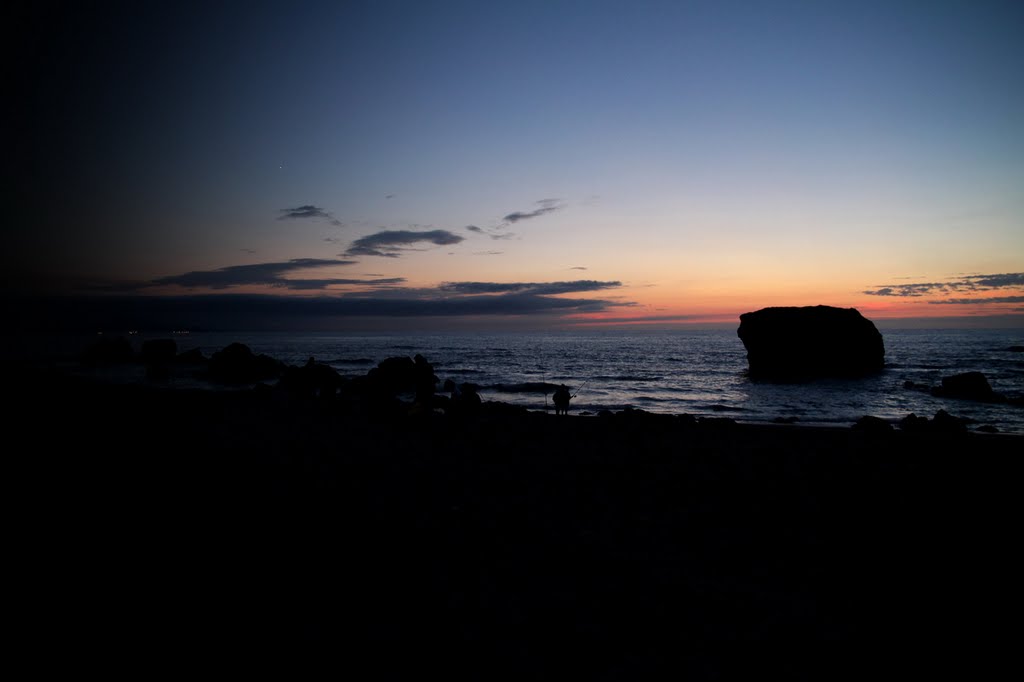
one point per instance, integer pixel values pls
(244, 526)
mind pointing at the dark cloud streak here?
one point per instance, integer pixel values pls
(534, 288)
(309, 211)
(546, 206)
(261, 274)
(968, 283)
(245, 311)
(983, 301)
(391, 243)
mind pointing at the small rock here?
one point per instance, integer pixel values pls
(871, 424)
(947, 423)
(914, 423)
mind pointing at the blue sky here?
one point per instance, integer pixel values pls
(710, 157)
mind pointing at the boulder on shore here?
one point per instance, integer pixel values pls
(792, 344)
(108, 351)
(237, 364)
(159, 351)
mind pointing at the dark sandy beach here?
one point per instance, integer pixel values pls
(179, 526)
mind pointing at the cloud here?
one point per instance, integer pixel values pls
(507, 304)
(968, 283)
(652, 318)
(492, 233)
(266, 274)
(308, 211)
(545, 206)
(532, 288)
(391, 243)
(306, 284)
(578, 267)
(1010, 279)
(907, 290)
(488, 253)
(254, 312)
(985, 300)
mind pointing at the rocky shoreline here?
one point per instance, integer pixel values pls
(245, 524)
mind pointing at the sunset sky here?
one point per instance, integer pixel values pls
(461, 165)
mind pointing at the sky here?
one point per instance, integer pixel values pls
(384, 165)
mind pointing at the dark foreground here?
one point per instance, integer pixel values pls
(202, 531)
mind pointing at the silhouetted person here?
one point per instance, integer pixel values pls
(561, 399)
(453, 389)
(470, 400)
(424, 380)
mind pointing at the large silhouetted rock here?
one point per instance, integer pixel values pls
(193, 356)
(393, 375)
(237, 364)
(159, 351)
(792, 344)
(313, 380)
(109, 351)
(157, 355)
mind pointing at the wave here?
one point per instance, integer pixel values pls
(525, 387)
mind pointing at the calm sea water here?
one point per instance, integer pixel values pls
(695, 372)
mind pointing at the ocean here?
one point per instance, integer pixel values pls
(702, 373)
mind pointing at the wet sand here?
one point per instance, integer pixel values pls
(178, 525)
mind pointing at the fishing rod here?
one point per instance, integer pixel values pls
(579, 389)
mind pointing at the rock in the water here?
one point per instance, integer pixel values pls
(968, 386)
(791, 344)
(913, 386)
